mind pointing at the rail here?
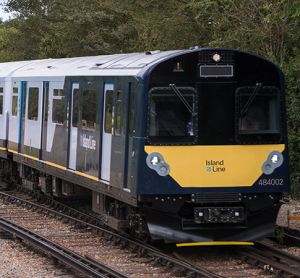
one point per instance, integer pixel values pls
(141, 249)
(75, 261)
(272, 260)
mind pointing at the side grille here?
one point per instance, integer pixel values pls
(216, 197)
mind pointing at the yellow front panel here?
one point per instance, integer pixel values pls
(215, 166)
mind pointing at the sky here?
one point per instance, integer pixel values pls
(3, 14)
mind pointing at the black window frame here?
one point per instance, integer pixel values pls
(132, 112)
(258, 136)
(2, 100)
(176, 140)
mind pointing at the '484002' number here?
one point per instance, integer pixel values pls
(270, 182)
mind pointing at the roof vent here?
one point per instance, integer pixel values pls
(50, 67)
(99, 64)
(152, 52)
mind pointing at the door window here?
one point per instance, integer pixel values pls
(14, 110)
(33, 103)
(89, 109)
(58, 106)
(108, 111)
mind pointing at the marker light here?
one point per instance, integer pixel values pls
(216, 57)
(275, 160)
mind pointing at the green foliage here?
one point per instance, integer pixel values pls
(59, 28)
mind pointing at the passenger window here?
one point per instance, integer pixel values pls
(1, 101)
(46, 102)
(58, 106)
(75, 108)
(14, 109)
(108, 111)
(118, 113)
(132, 113)
(33, 104)
(89, 109)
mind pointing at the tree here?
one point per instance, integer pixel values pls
(56, 29)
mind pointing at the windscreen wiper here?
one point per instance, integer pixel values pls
(183, 100)
(257, 88)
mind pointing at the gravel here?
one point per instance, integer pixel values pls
(18, 261)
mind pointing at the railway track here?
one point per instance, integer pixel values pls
(94, 246)
(73, 260)
(291, 237)
(271, 261)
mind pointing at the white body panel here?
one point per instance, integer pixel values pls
(73, 134)
(106, 143)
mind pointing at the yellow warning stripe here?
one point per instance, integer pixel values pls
(86, 175)
(29, 156)
(12, 151)
(55, 165)
(214, 243)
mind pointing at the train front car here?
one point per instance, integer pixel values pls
(215, 160)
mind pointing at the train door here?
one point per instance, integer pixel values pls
(73, 125)
(88, 127)
(55, 130)
(31, 135)
(45, 112)
(15, 116)
(2, 115)
(120, 135)
(107, 131)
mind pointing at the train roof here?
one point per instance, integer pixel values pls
(105, 65)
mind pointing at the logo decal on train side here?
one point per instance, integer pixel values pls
(213, 166)
(88, 142)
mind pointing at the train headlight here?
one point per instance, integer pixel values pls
(154, 159)
(275, 160)
(216, 57)
(163, 169)
(156, 162)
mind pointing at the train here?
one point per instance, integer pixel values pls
(184, 146)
